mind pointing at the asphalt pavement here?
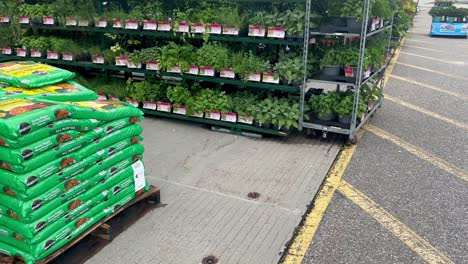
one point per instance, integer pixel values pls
(419, 175)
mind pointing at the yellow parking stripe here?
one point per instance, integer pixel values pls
(416, 243)
(433, 71)
(302, 241)
(435, 50)
(426, 112)
(420, 153)
(434, 59)
(461, 96)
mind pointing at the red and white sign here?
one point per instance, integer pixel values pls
(102, 97)
(152, 65)
(36, 53)
(150, 25)
(213, 115)
(150, 105)
(229, 117)
(71, 21)
(175, 69)
(4, 19)
(98, 59)
(83, 23)
(198, 114)
(113, 97)
(270, 77)
(215, 29)
(227, 73)
(230, 30)
(164, 107)
(132, 102)
(101, 23)
(116, 23)
(349, 72)
(257, 31)
(245, 119)
(132, 65)
(121, 61)
(48, 20)
(276, 32)
(131, 24)
(24, 20)
(254, 76)
(6, 51)
(182, 27)
(179, 109)
(21, 52)
(67, 56)
(193, 70)
(164, 26)
(207, 71)
(52, 55)
(198, 28)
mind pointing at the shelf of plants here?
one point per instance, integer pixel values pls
(253, 54)
(352, 46)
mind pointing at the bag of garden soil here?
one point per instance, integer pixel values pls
(104, 110)
(21, 116)
(63, 92)
(111, 132)
(38, 208)
(30, 74)
(54, 128)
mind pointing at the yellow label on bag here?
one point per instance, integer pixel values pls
(22, 70)
(51, 89)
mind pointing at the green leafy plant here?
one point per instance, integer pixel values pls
(36, 11)
(173, 54)
(323, 104)
(330, 58)
(345, 106)
(353, 8)
(290, 67)
(152, 90)
(214, 55)
(244, 103)
(248, 62)
(178, 95)
(228, 16)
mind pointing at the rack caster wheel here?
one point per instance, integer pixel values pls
(356, 139)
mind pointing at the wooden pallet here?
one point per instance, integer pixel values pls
(100, 234)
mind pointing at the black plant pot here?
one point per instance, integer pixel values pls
(345, 119)
(331, 70)
(327, 117)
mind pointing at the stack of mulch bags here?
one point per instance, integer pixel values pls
(63, 165)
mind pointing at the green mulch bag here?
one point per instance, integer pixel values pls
(62, 92)
(38, 209)
(71, 230)
(34, 187)
(104, 110)
(28, 74)
(21, 116)
(60, 126)
(114, 132)
(18, 155)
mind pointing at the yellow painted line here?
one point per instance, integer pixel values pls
(393, 61)
(420, 153)
(435, 50)
(305, 234)
(415, 242)
(428, 42)
(461, 96)
(427, 112)
(434, 59)
(433, 71)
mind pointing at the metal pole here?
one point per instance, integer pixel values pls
(362, 50)
(305, 55)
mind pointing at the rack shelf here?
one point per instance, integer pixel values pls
(171, 35)
(315, 33)
(234, 127)
(272, 87)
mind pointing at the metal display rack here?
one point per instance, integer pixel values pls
(379, 74)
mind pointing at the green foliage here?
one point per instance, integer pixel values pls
(244, 103)
(214, 55)
(104, 86)
(208, 100)
(178, 95)
(350, 56)
(152, 90)
(323, 104)
(382, 8)
(37, 10)
(330, 58)
(353, 8)
(149, 54)
(229, 16)
(345, 106)
(173, 54)
(281, 112)
(247, 62)
(290, 67)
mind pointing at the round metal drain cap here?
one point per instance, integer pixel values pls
(253, 195)
(209, 260)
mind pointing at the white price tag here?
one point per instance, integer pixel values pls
(121, 61)
(180, 110)
(254, 76)
(21, 52)
(102, 97)
(207, 71)
(227, 73)
(276, 32)
(213, 115)
(48, 20)
(132, 102)
(113, 97)
(132, 65)
(152, 66)
(193, 70)
(139, 175)
(164, 107)
(229, 117)
(150, 25)
(198, 28)
(4, 19)
(197, 114)
(83, 23)
(24, 20)
(116, 23)
(71, 21)
(245, 119)
(98, 59)
(164, 26)
(150, 105)
(102, 23)
(131, 24)
(175, 69)
(269, 77)
(257, 31)
(183, 27)
(215, 29)
(52, 55)
(36, 54)
(228, 30)
(6, 51)
(67, 56)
